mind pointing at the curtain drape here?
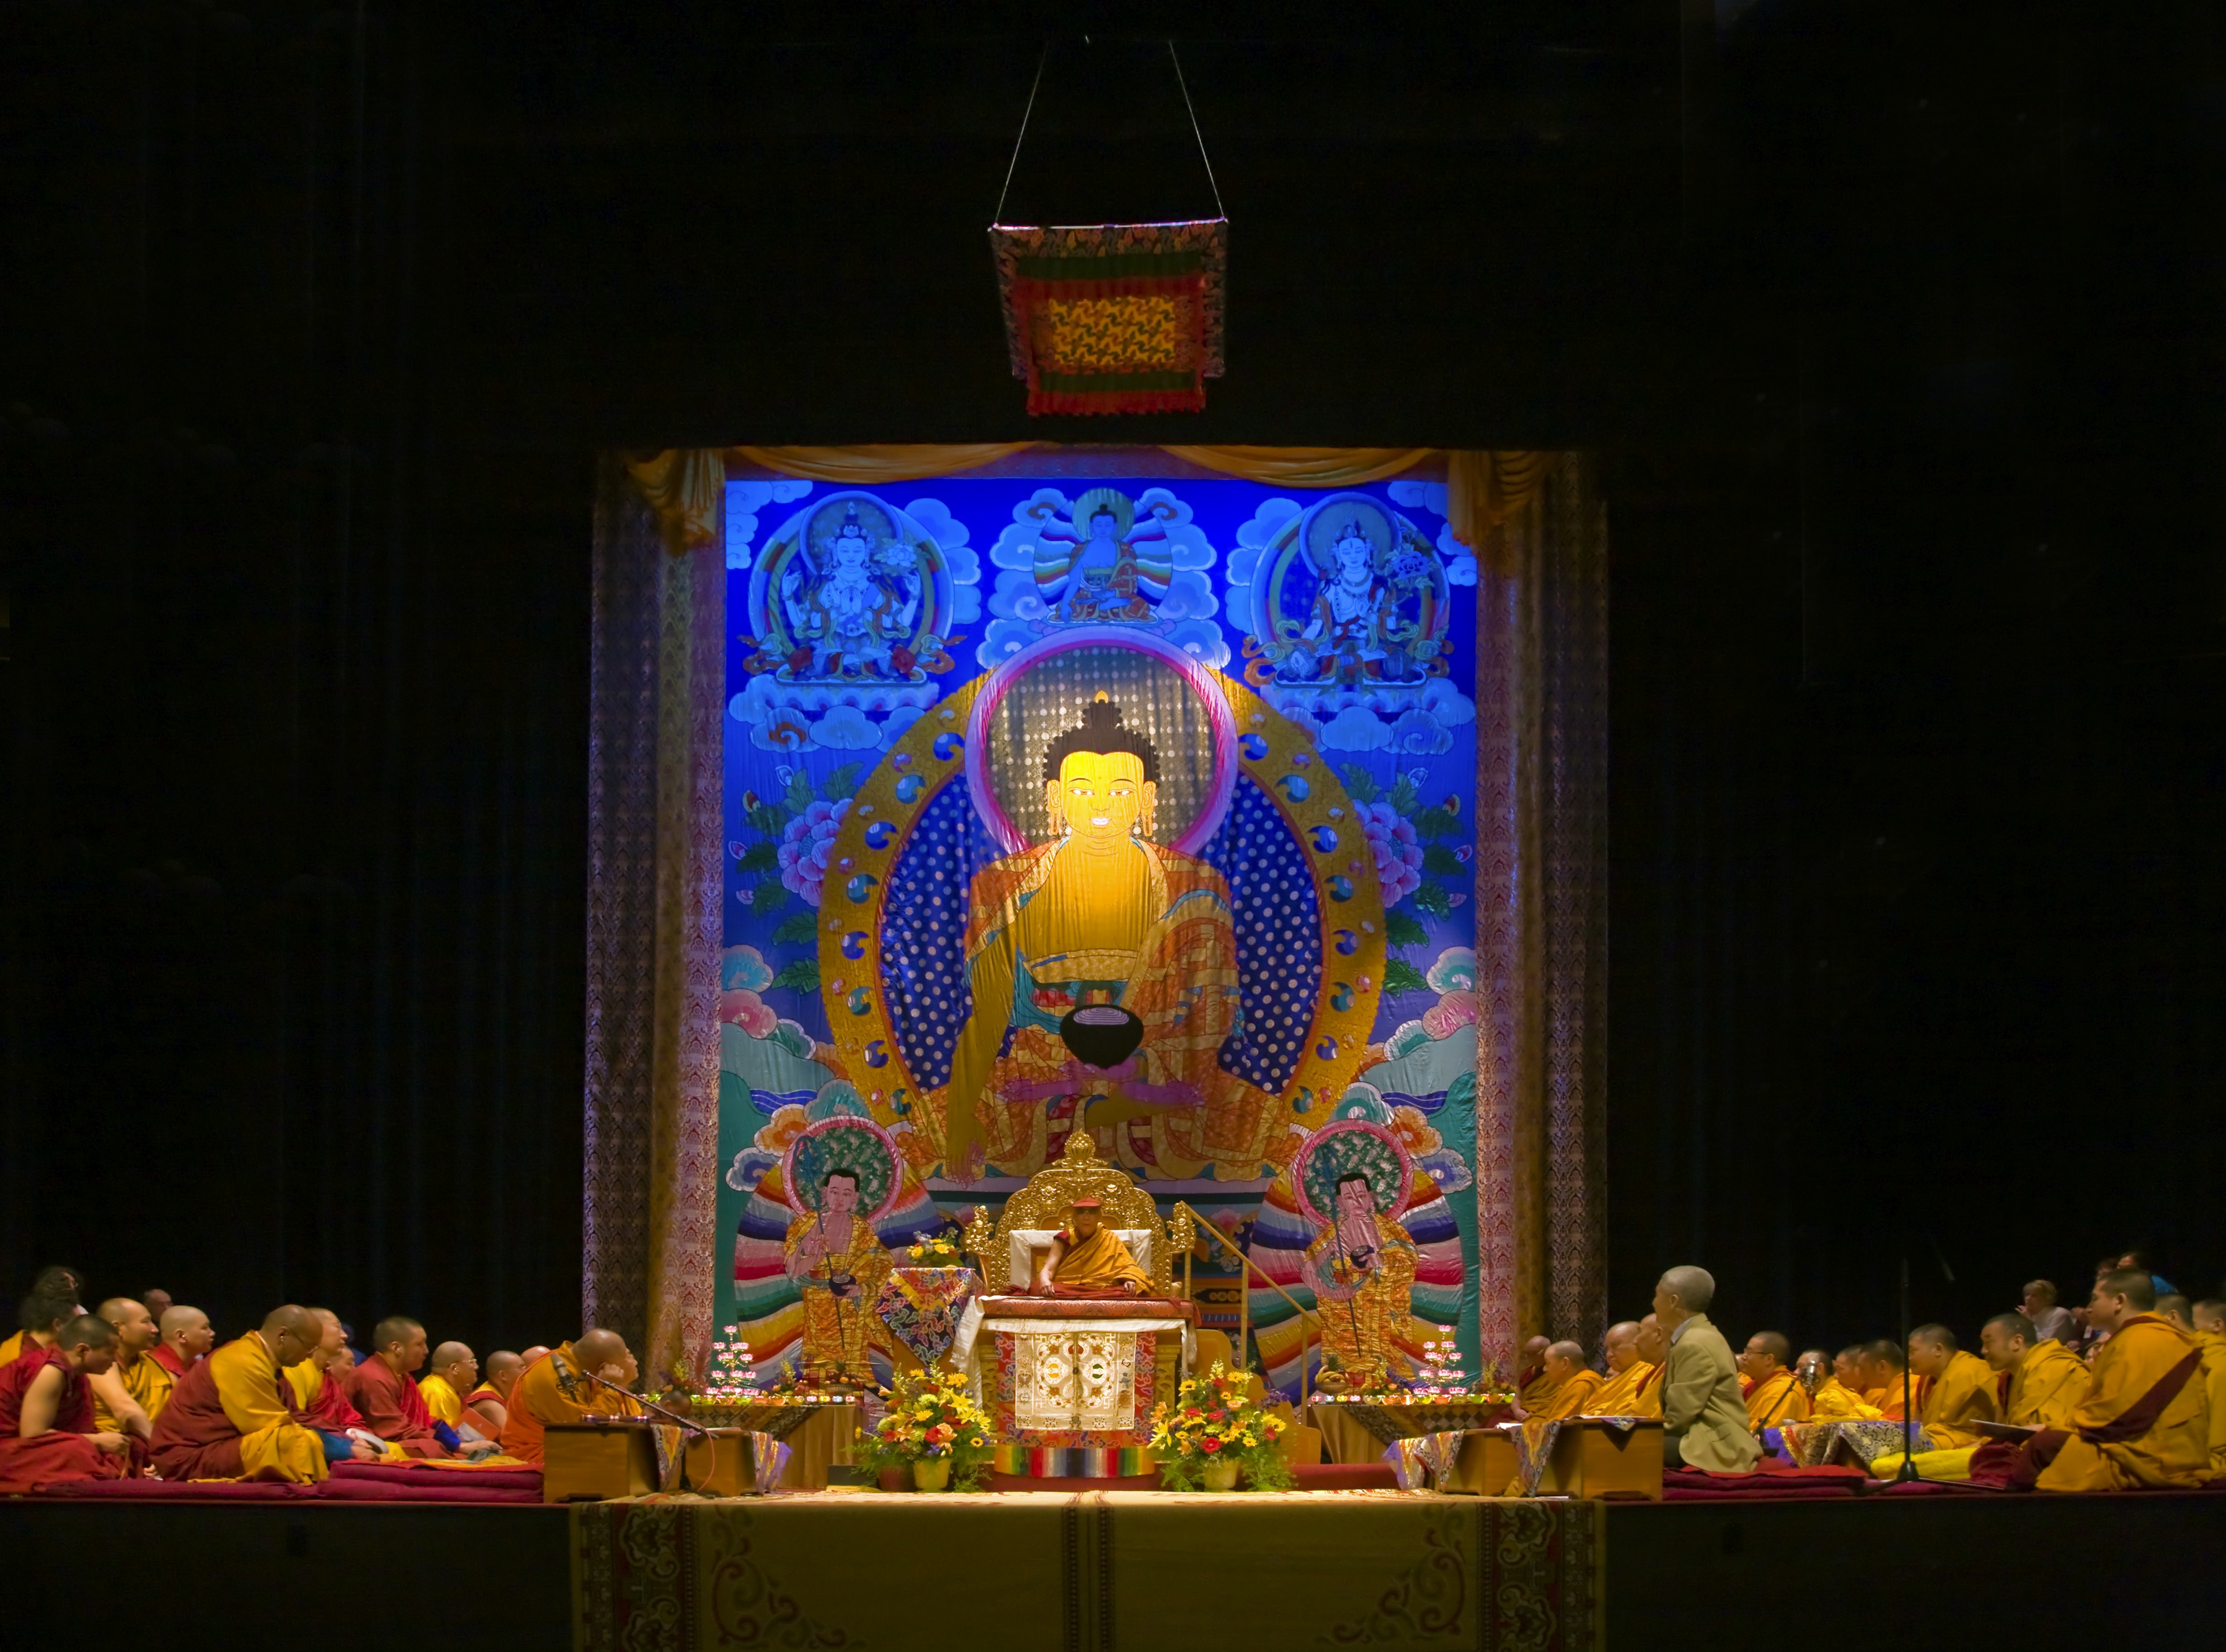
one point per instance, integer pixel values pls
(656, 705)
(1542, 916)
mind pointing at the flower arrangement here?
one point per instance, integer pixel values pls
(1215, 1429)
(934, 1251)
(1440, 1377)
(934, 1428)
(734, 1379)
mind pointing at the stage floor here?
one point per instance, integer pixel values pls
(2146, 1570)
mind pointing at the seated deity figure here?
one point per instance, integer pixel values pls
(1361, 1267)
(847, 616)
(839, 1261)
(1355, 631)
(1101, 915)
(1097, 576)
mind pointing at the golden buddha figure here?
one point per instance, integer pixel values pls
(1361, 1267)
(1101, 916)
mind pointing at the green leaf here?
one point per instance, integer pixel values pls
(771, 818)
(771, 896)
(760, 856)
(1402, 929)
(1401, 976)
(802, 924)
(840, 784)
(1432, 898)
(1434, 821)
(1359, 786)
(799, 974)
(800, 795)
(1440, 860)
(1404, 796)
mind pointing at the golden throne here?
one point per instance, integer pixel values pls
(1039, 1210)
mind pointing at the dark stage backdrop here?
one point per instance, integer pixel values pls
(1895, 327)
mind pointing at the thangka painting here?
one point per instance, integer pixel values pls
(1135, 804)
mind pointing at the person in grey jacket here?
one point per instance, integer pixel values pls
(1703, 1418)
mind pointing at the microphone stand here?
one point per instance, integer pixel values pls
(1908, 1469)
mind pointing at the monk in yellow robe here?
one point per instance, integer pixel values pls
(1574, 1382)
(490, 1401)
(1619, 1396)
(2039, 1380)
(132, 1393)
(1955, 1388)
(1838, 1395)
(1533, 1388)
(2144, 1420)
(232, 1416)
(1102, 918)
(840, 1263)
(2210, 1332)
(1885, 1378)
(1088, 1259)
(453, 1372)
(1361, 1269)
(566, 1384)
(1774, 1396)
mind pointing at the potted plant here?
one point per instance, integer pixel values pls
(1214, 1430)
(932, 1428)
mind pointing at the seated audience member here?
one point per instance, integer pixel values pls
(1703, 1416)
(491, 1399)
(1533, 1388)
(186, 1336)
(566, 1384)
(1885, 1378)
(1772, 1396)
(392, 1406)
(1956, 1387)
(1574, 1382)
(2139, 1260)
(455, 1373)
(1839, 1397)
(2038, 1380)
(131, 1394)
(47, 1432)
(1618, 1396)
(2051, 1322)
(2145, 1419)
(2211, 1333)
(322, 1382)
(232, 1415)
(39, 1318)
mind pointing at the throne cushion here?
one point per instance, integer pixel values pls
(1025, 1242)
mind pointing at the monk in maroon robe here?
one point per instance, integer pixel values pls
(46, 1430)
(392, 1407)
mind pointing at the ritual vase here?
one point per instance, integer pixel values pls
(921, 1306)
(1219, 1476)
(931, 1474)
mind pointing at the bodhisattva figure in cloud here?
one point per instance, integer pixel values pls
(1102, 915)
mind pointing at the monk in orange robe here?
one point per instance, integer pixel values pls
(1955, 1390)
(568, 1384)
(2038, 1379)
(1574, 1382)
(233, 1417)
(1617, 1396)
(1088, 1259)
(1885, 1378)
(1773, 1396)
(2144, 1420)
(490, 1401)
(320, 1383)
(132, 1393)
(392, 1406)
(47, 1432)
(1838, 1395)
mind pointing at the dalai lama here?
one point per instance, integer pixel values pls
(1088, 1259)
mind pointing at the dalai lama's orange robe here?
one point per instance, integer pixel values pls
(1620, 1395)
(554, 1388)
(64, 1452)
(1101, 1262)
(393, 1409)
(2046, 1384)
(1834, 1401)
(232, 1417)
(1962, 1394)
(2144, 1420)
(1778, 1398)
(1573, 1398)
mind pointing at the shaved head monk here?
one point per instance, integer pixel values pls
(454, 1372)
(157, 1303)
(1703, 1415)
(1618, 1396)
(130, 1395)
(2210, 1316)
(1533, 1388)
(47, 1432)
(232, 1415)
(2038, 1379)
(186, 1336)
(1886, 1377)
(1957, 1388)
(2144, 1419)
(1574, 1382)
(392, 1406)
(1088, 1259)
(491, 1399)
(575, 1380)
(1772, 1396)
(323, 1382)
(1838, 1395)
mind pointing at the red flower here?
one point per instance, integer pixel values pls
(1209, 1444)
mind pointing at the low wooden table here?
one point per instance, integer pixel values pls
(620, 1457)
(1355, 1428)
(1589, 1459)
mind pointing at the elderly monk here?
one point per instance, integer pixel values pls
(186, 1336)
(2145, 1419)
(131, 1394)
(1956, 1388)
(47, 1432)
(490, 1401)
(569, 1383)
(453, 1373)
(1885, 1379)
(1838, 1395)
(1703, 1417)
(232, 1415)
(1088, 1259)
(1618, 1396)
(1574, 1382)
(392, 1407)
(1773, 1395)
(1533, 1388)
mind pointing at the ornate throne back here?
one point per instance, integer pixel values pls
(1080, 1173)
